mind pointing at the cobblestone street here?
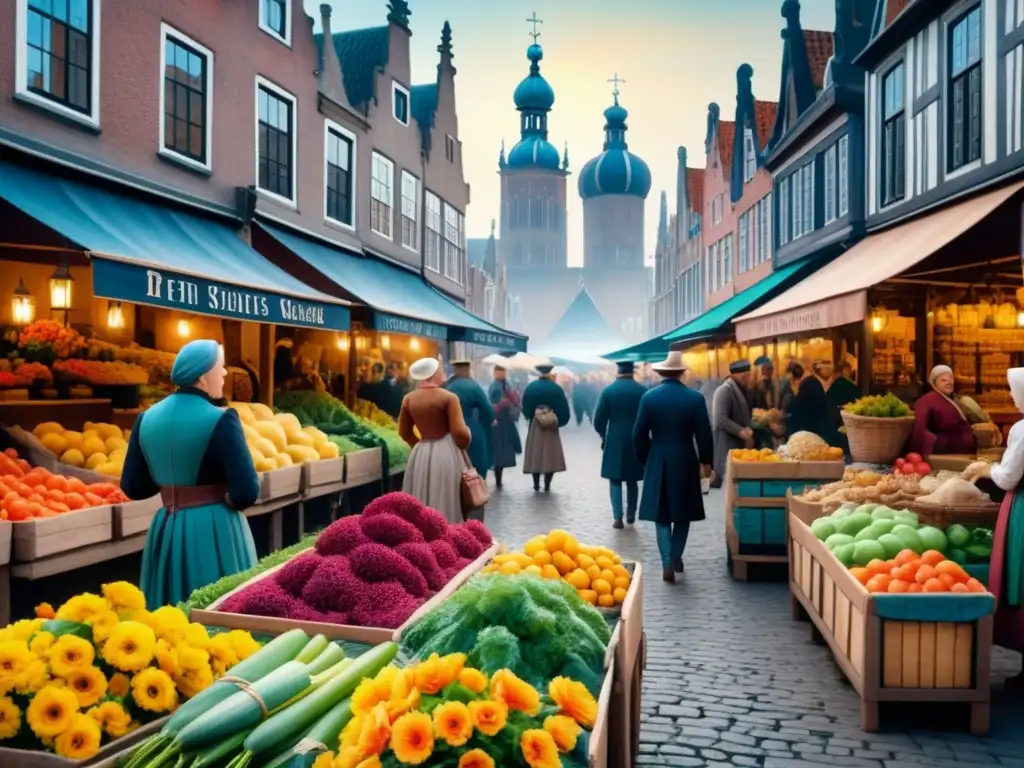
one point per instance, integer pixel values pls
(731, 680)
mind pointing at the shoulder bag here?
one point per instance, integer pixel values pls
(545, 418)
(473, 488)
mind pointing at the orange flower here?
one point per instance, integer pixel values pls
(45, 611)
(539, 749)
(119, 686)
(405, 696)
(436, 672)
(564, 730)
(489, 717)
(371, 762)
(476, 758)
(372, 691)
(473, 679)
(516, 693)
(375, 731)
(452, 723)
(412, 738)
(573, 699)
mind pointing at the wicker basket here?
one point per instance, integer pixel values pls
(942, 516)
(874, 440)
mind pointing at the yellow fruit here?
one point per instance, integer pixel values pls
(533, 569)
(570, 546)
(550, 572)
(620, 570)
(319, 438)
(589, 595)
(265, 465)
(283, 460)
(257, 457)
(578, 579)
(73, 458)
(117, 457)
(563, 562)
(587, 550)
(114, 444)
(619, 594)
(95, 460)
(55, 443)
(522, 559)
(616, 559)
(46, 428)
(245, 414)
(289, 422)
(621, 582)
(301, 438)
(607, 575)
(87, 433)
(328, 450)
(74, 439)
(261, 412)
(272, 431)
(533, 547)
(264, 446)
(556, 541)
(605, 601)
(584, 561)
(604, 561)
(502, 559)
(92, 445)
(511, 568)
(593, 572)
(107, 431)
(109, 468)
(601, 586)
(542, 557)
(302, 453)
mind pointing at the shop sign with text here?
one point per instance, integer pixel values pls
(494, 339)
(831, 313)
(382, 321)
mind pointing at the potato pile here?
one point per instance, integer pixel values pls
(278, 440)
(99, 447)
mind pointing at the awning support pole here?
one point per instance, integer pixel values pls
(268, 332)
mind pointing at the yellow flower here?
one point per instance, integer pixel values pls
(10, 718)
(222, 654)
(130, 646)
(81, 740)
(436, 672)
(15, 658)
(197, 636)
(350, 733)
(405, 696)
(88, 684)
(191, 682)
(82, 608)
(412, 738)
(102, 625)
(371, 762)
(564, 730)
(324, 760)
(372, 691)
(113, 719)
(516, 693)
(243, 643)
(489, 717)
(375, 731)
(124, 598)
(32, 678)
(20, 630)
(41, 644)
(476, 758)
(154, 691)
(50, 711)
(192, 659)
(45, 611)
(70, 653)
(473, 679)
(171, 623)
(452, 723)
(573, 699)
(166, 657)
(348, 757)
(119, 685)
(539, 749)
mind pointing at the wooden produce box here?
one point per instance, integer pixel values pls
(756, 495)
(35, 539)
(107, 757)
(134, 517)
(214, 617)
(598, 755)
(362, 467)
(30, 448)
(280, 483)
(807, 511)
(909, 648)
(323, 472)
(6, 536)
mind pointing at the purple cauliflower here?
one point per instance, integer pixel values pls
(422, 556)
(264, 598)
(341, 536)
(303, 612)
(453, 571)
(337, 617)
(479, 531)
(465, 543)
(405, 505)
(386, 605)
(390, 530)
(444, 552)
(294, 574)
(375, 563)
(432, 524)
(333, 587)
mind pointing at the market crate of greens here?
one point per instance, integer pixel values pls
(85, 681)
(365, 576)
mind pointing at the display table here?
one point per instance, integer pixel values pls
(73, 414)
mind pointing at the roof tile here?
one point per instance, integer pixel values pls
(726, 134)
(695, 188)
(764, 119)
(819, 46)
(362, 52)
(894, 8)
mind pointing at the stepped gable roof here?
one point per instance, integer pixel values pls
(820, 46)
(362, 53)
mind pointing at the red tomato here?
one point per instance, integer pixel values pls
(914, 458)
(922, 468)
(899, 463)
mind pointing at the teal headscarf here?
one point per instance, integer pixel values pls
(195, 358)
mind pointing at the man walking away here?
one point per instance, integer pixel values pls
(731, 417)
(672, 439)
(478, 413)
(616, 413)
(547, 410)
(505, 441)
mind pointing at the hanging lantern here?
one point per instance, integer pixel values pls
(60, 289)
(385, 342)
(23, 306)
(414, 344)
(115, 315)
(342, 343)
(184, 329)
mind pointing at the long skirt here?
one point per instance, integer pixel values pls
(543, 455)
(505, 443)
(191, 548)
(1006, 573)
(433, 475)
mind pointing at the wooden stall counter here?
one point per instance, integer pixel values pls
(72, 414)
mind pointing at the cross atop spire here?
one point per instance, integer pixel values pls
(534, 21)
(616, 81)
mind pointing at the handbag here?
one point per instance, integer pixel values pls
(545, 418)
(472, 488)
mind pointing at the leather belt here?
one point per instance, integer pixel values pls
(180, 497)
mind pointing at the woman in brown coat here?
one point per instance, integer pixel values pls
(433, 473)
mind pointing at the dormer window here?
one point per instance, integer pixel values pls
(749, 155)
(449, 147)
(400, 103)
(276, 19)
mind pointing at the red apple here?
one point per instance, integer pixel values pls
(914, 458)
(922, 468)
(899, 463)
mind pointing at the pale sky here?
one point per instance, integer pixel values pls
(676, 57)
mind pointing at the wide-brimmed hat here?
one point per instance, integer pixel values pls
(671, 364)
(424, 368)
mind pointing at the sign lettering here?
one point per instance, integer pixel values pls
(795, 322)
(408, 326)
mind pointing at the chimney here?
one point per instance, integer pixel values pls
(682, 193)
(331, 83)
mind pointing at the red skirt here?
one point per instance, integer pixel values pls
(1009, 619)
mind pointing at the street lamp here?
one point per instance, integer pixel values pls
(115, 315)
(23, 306)
(60, 291)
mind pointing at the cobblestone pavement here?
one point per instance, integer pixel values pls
(731, 680)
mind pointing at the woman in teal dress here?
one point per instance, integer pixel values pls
(194, 455)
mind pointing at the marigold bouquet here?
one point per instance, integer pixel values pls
(100, 666)
(444, 713)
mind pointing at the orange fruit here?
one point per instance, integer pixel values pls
(878, 566)
(605, 601)
(906, 556)
(960, 588)
(589, 595)
(555, 541)
(924, 573)
(932, 557)
(563, 563)
(542, 557)
(19, 510)
(35, 498)
(601, 586)
(619, 593)
(953, 570)
(92, 500)
(878, 583)
(607, 575)
(620, 570)
(57, 483)
(58, 507)
(861, 574)
(550, 572)
(534, 570)
(898, 585)
(584, 561)
(55, 494)
(594, 572)
(76, 485)
(934, 585)
(947, 579)
(579, 579)
(973, 585)
(604, 562)
(915, 587)
(621, 582)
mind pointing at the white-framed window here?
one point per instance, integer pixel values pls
(727, 259)
(749, 155)
(57, 57)
(400, 102)
(410, 207)
(830, 185)
(186, 99)
(797, 180)
(276, 19)
(893, 144)
(712, 270)
(717, 208)
(766, 224)
(450, 147)
(844, 175)
(964, 89)
(756, 243)
(454, 267)
(339, 175)
(744, 254)
(434, 234)
(382, 195)
(783, 212)
(808, 172)
(275, 141)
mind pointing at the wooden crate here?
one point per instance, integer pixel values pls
(323, 472)
(134, 517)
(807, 511)
(362, 467)
(756, 495)
(280, 483)
(909, 648)
(214, 617)
(108, 756)
(35, 539)
(597, 752)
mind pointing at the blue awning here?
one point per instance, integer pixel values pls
(144, 253)
(717, 321)
(402, 301)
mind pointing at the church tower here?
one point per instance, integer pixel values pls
(533, 178)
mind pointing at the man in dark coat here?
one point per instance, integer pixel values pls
(547, 411)
(730, 409)
(614, 419)
(505, 441)
(672, 439)
(478, 413)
